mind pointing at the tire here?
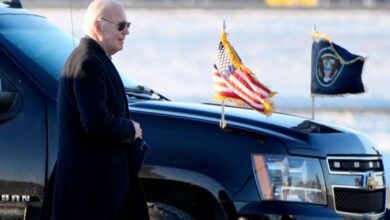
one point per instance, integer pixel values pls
(159, 211)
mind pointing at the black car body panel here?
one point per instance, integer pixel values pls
(192, 163)
(321, 143)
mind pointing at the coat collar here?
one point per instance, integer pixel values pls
(89, 42)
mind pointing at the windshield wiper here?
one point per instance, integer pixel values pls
(143, 92)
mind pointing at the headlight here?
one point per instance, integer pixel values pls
(288, 178)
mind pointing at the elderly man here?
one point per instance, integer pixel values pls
(95, 177)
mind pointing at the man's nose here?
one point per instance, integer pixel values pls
(126, 31)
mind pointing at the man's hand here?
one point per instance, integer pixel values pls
(138, 130)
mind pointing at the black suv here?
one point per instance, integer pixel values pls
(280, 167)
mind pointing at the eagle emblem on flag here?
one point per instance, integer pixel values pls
(328, 67)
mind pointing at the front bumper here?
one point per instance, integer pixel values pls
(299, 211)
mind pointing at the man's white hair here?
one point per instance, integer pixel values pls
(95, 11)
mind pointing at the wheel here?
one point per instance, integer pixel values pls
(159, 211)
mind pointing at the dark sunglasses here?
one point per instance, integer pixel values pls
(121, 25)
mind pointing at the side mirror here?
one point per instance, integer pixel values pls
(10, 104)
(7, 99)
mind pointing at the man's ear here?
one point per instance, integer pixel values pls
(98, 27)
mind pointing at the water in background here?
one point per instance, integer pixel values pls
(172, 51)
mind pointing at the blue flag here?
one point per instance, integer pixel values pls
(334, 70)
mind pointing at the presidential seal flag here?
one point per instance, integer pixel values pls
(236, 83)
(334, 70)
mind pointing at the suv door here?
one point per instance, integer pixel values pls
(22, 137)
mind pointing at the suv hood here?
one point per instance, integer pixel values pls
(301, 136)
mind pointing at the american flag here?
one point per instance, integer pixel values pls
(234, 82)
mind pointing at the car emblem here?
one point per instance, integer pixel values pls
(371, 182)
(14, 198)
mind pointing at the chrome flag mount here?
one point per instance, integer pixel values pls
(236, 83)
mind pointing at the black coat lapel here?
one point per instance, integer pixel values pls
(114, 75)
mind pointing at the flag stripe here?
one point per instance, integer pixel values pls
(255, 86)
(243, 92)
(223, 90)
(257, 91)
(245, 78)
(240, 90)
(256, 82)
(246, 94)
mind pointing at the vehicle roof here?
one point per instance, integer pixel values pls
(6, 10)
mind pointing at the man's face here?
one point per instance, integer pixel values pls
(112, 37)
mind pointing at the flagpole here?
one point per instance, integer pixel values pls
(223, 122)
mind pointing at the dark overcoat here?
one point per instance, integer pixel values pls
(94, 178)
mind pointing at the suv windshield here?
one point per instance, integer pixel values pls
(41, 42)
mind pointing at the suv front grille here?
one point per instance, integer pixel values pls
(355, 165)
(358, 185)
(359, 201)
